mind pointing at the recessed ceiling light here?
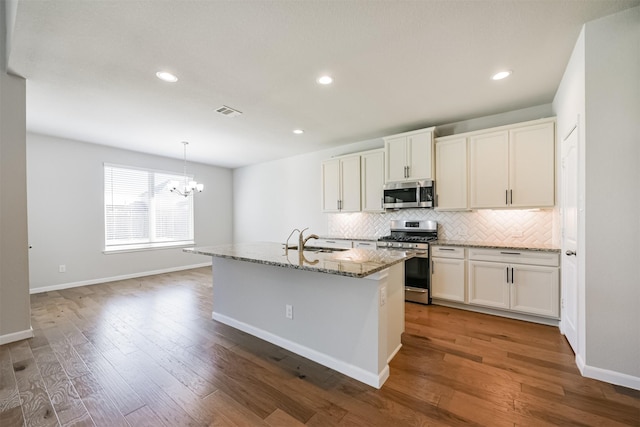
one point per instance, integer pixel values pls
(325, 80)
(501, 75)
(298, 131)
(166, 76)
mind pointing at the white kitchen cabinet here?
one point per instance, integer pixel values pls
(522, 281)
(448, 278)
(532, 166)
(409, 156)
(488, 284)
(451, 174)
(341, 184)
(372, 169)
(513, 166)
(364, 244)
(330, 243)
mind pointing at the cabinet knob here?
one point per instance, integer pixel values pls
(571, 253)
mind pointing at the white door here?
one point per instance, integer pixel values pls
(451, 174)
(569, 212)
(330, 185)
(447, 279)
(489, 170)
(488, 284)
(372, 170)
(535, 290)
(396, 159)
(420, 156)
(531, 166)
(350, 184)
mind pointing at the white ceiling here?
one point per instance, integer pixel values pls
(398, 65)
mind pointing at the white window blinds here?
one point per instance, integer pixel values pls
(141, 212)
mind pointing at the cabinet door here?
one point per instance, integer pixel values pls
(489, 169)
(532, 166)
(330, 185)
(536, 290)
(420, 156)
(488, 284)
(372, 181)
(350, 184)
(396, 159)
(448, 279)
(451, 175)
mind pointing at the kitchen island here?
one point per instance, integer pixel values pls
(343, 309)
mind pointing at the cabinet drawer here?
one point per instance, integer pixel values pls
(364, 244)
(511, 256)
(330, 243)
(447, 252)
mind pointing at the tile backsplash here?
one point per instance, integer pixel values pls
(535, 227)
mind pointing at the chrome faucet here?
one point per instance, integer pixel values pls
(302, 241)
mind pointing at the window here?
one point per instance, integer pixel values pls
(140, 212)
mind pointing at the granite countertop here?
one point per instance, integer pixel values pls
(351, 262)
(513, 246)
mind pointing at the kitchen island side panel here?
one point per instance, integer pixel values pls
(337, 320)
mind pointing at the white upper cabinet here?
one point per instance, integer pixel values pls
(532, 166)
(341, 184)
(513, 166)
(451, 174)
(372, 169)
(409, 156)
(489, 168)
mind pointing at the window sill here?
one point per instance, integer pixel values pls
(146, 247)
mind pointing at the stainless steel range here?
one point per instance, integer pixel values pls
(413, 236)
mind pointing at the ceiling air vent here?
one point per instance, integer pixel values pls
(228, 111)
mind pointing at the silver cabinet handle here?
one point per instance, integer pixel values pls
(446, 249)
(381, 202)
(508, 275)
(570, 253)
(506, 197)
(511, 196)
(510, 253)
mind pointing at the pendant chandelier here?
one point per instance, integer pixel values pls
(188, 186)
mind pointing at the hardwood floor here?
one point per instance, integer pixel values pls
(145, 352)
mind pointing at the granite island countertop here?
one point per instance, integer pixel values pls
(482, 245)
(351, 262)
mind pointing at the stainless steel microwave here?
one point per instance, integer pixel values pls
(415, 194)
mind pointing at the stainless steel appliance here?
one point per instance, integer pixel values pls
(416, 194)
(413, 236)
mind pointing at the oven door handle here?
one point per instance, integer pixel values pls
(417, 290)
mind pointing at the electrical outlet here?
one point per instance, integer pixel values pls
(383, 296)
(288, 311)
(62, 268)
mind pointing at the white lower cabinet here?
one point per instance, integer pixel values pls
(448, 276)
(521, 281)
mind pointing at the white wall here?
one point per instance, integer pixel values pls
(273, 198)
(15, 321)
(66, 214)
(612, 199)
(602, 85)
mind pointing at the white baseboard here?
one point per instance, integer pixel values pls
(16, 336)
(611, 377)
(115, 278)
(345, 368)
